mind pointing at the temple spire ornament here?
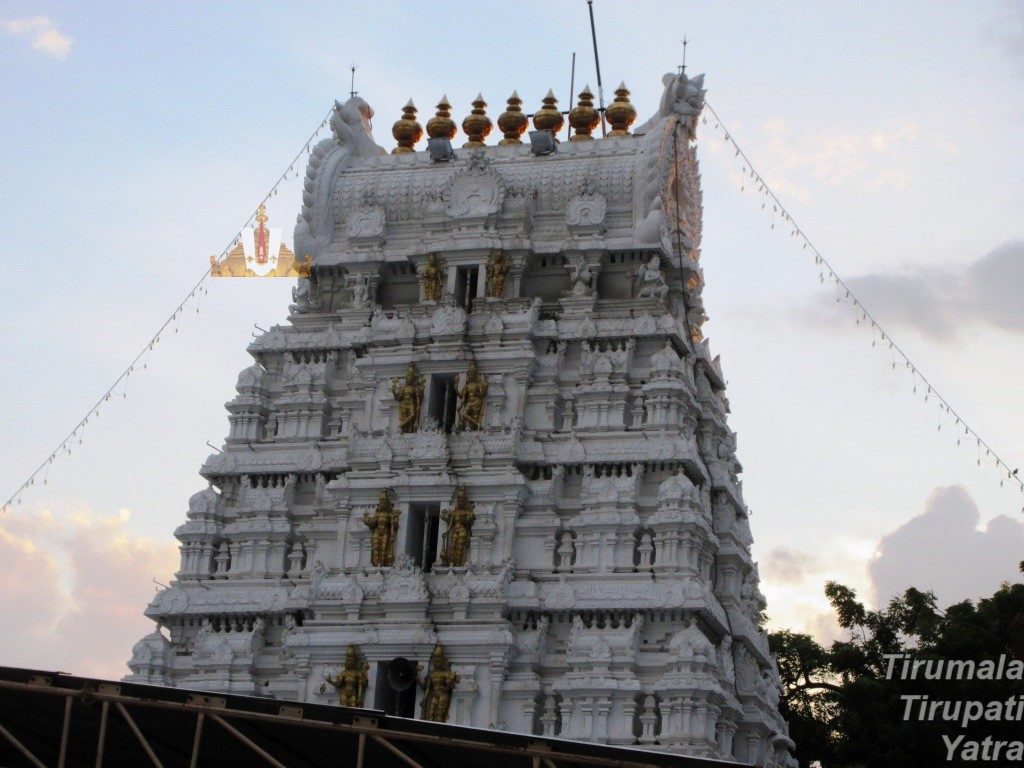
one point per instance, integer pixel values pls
(406, 130)
(477, 124)
(441, 125)
(620, 113)
(512, 122)
(548, 117)
(583, 117)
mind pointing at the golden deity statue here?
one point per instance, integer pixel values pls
(432, 278)
(383, 525)
(497, 268)
(409, 394)
(471, 398)
(460, 520)
(351, 681)
(438, 687)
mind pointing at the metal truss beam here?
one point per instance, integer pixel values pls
(395, 751)
(247, 741)
(22, 748)
(138, 734)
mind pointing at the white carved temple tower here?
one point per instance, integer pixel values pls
(602, 588)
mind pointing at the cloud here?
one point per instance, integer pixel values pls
(941, 301)
(944, 550)
(870, 160)
(793, 580)
(73, 588)
(44, 36)
(788, 566)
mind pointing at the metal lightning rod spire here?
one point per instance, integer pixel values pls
(572, 94)
(352, 82)
(597, 64)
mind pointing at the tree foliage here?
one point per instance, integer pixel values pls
(843, 710)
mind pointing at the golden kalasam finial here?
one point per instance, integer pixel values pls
(406, 130)
(620, 113)
(512, 121)
(548, 117)
(584, 118)
(441, 125)
(261, 214)
(477, 124)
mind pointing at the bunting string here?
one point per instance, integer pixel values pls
(193, 299)
(779, 215)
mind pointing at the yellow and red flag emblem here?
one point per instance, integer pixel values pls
(260, 253)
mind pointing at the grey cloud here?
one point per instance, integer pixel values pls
(787, 566)
(943, 550)
(943, 302)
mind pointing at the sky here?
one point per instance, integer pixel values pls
(137, 138)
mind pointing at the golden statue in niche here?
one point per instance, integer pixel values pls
(497, 269)
(409, 394)
(471, 397)
(438, 687)
(432, 278)
(352, 680)
(460, 519)
(383, 525)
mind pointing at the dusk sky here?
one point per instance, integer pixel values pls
(137, 138)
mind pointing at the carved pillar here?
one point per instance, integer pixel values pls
(295, 560)
(648, 719)
(344, 513)
(205, 559)
(549, 717)
(222, 560)
(645, 551)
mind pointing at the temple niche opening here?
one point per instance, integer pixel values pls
(492, 440)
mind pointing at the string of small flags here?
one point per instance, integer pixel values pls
(780, 217)
(119, 389)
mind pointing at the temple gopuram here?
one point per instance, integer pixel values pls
(483, 474)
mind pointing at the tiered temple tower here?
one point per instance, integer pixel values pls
(491, 425)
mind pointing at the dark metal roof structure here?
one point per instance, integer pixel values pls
(54, 720)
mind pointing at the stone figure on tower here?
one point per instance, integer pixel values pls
(471, 398)
(460, 519)
(438, 686)
(409, 394)
(351, 681)
(383, 525)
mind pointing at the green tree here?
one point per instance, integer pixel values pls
(844, 711)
